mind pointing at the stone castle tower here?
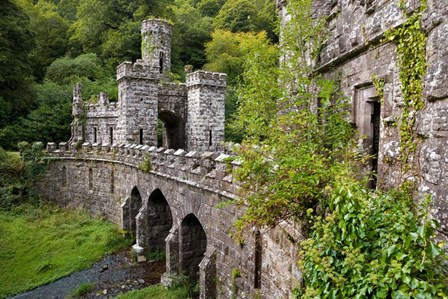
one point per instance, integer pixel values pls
(192, 114)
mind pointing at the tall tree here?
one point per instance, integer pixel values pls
(50, 33)
(191, 32)
(247, 15)
(111, 28)
(16, 43)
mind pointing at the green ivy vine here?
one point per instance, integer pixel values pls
(410, 40)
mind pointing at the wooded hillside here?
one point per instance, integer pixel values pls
(46, 46)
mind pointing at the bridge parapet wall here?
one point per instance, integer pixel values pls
(209, 170)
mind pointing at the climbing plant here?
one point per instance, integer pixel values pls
(410, 40)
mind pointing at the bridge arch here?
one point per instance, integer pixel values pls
(130, 209)
(192, 246)
(159, 221)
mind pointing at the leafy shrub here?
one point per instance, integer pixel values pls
(18, 175)
(373, 245)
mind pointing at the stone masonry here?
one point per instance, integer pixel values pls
(167, 197)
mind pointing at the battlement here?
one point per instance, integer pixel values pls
(206, 78)
(209, 170)
(138, 70)
(173, 89)
(156, 25)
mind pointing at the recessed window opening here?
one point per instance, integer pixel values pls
(161, 62)
(210, 142)
(375, 121)
(90, 179)
(258, 260)
(95, 132)
(111, 135)
(112, 181)
(64, 176)
(141, 137)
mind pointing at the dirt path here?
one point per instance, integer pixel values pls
(113, 275)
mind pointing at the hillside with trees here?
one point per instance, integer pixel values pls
(48, 46)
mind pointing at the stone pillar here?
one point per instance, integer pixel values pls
(207, 275)
(172, 257)
(140, 221)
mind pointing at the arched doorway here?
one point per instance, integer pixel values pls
(171, 131)
(193, 243)
(159, 222)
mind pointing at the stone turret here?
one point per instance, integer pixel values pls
(205, 127)
(156, 44)
(77, 129)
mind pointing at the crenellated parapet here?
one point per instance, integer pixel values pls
(102, 108)
(173, 89)
(207, 170)
(206, 78)
(138, 70)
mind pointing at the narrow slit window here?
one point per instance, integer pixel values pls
(258, 260)
(161, 62)
(375, 120)
(210, 142)
(90, 179)
(64, 176)
(112, 182)
(111, 135)
(141, 136)
(95, 132)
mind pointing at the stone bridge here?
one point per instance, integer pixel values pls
(170, 201)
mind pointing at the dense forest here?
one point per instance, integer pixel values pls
(46, 46)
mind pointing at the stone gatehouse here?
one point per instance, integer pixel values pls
(192, 113)
(170, 198)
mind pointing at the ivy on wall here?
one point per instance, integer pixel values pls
(410, 40)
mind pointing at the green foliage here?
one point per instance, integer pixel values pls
(191, 32)
(49, 122)
(145, 165)
(50, 34)
(296, 140)
(16, 42)
(111, 29)
(373, 245)
(209, 8)
(246, 16)
(18, 175)
(41, 244)
(226, 52)
(65, 70)
(156, 256)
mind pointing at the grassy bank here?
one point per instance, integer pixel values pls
(157, 292)
(39, 245)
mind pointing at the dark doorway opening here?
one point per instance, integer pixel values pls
(160, 221)
(193, 243)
